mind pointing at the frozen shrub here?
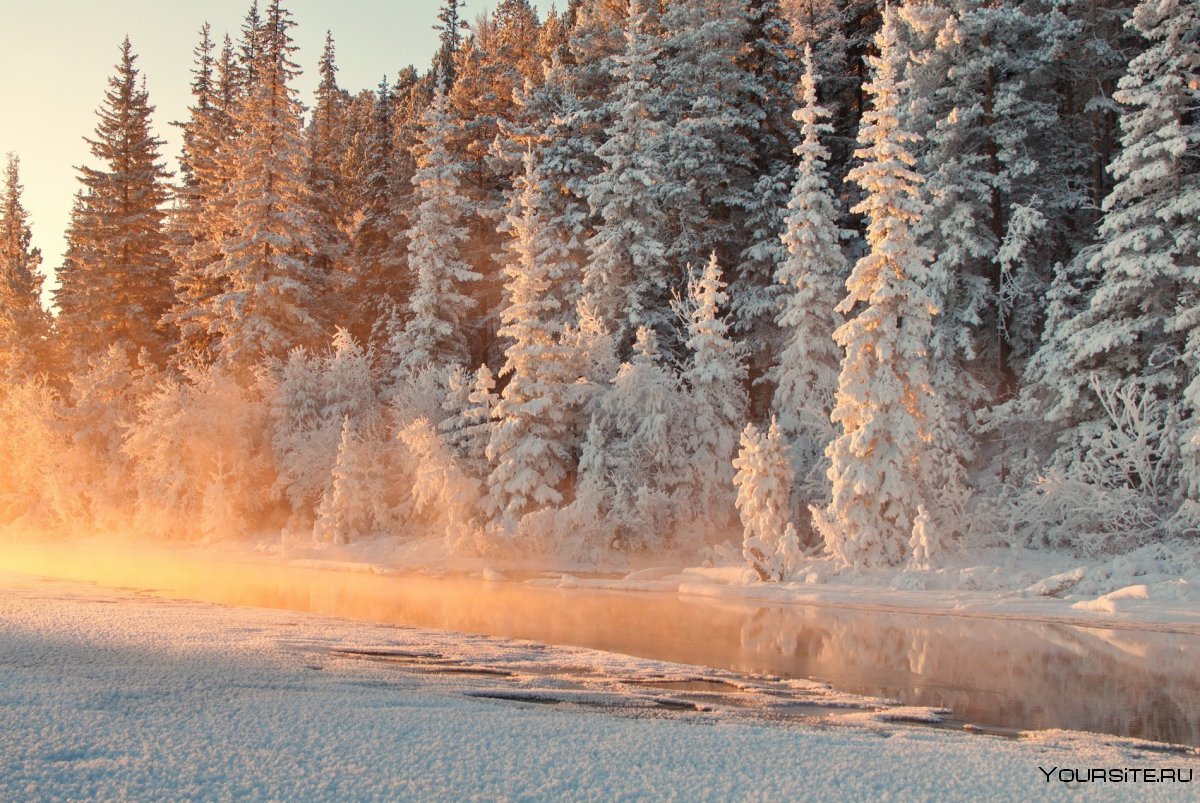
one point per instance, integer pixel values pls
(444, 495)
(635, 458)
(764, 482)
(346, 512)
(310, 398)
(33, 443)
(1114, 489)
(200, 458)
(103, 402)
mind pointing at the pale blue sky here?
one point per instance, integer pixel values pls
(56, 57)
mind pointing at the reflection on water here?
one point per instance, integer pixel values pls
(1002, 673)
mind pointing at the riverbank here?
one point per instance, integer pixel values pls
(1156, 587)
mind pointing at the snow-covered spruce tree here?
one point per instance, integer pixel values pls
(1133, 328)
(250, 46)
(596, 37)
(550, 119)
(204, 100)
(1188, 320)
(983, 89)
(627, 277)
(884, 404)
(839, 33)
(201, 218)
(812, 279)
(709, 158)
(641, 433)
(116, 282)
(529, 445)
(493, 64)
(769, 58)
(764, 485)
(1100, 49)
(435, 332)
(467, 429)
(380, 280)
(270, 301)
(24, 325)
(717, 402)
(310, 397)
(344, 513)
(331, 193)
(351, 137)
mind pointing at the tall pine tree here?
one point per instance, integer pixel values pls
(708, 154)
(202, 215)
(1144, 265)
(270, 301)
(24, 325)
(328, 146)
(885, 404)
(438, 309)
(450, 29)
(530, 439)
(381, 280)
(770, 58)
(627, 278)
(1141, 321)
(812, 281)
(116, 283)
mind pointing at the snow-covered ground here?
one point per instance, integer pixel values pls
(120, 695)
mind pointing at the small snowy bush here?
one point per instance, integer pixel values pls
(200, 457)
(33, 442)
(311, 396)
(636, 459)
(444, 495)
(103, 403)
(764, 482)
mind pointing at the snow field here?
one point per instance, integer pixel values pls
(115, 695)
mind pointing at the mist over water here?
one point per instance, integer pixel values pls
(1013, 674)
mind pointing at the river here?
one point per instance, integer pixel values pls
(1007, 674)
